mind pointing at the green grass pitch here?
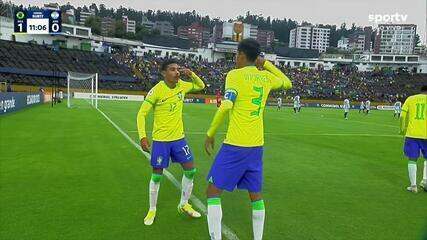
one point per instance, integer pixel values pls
(69, 174)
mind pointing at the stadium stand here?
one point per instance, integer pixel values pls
(32, 64)
(38, 65)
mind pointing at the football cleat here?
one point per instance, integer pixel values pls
(188, 209)
(149, 219)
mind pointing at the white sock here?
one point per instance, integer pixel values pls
(412, 171)
(258, 217)
(187, 187)
(154, 193)
(425, 172)
(214, 218)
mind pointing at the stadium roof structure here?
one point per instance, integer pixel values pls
(117, 41)
(296, 52)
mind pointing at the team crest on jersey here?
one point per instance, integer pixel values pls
(150, 92)
(180, 95)
(159, 160)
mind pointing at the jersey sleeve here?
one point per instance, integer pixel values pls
(152, 96)
(140, 119)
(186, 86)
(231, 87)
(405, 107)
(195, 85)
(147, 105)
(404, 117)
(230, 96)
(277, 78)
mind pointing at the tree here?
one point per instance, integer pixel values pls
(417, 40)
(130, 35)
(94, 23)
(141, 31)
(119, 29)
(155, 31)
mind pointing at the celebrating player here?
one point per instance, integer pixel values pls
(414, 126)
(167, 99)
(239, 161)
(346, 107)
(397, 108)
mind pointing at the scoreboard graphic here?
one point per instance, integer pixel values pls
(38, 22)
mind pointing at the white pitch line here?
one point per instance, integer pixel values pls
(228, 233)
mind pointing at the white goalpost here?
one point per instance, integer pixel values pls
(82, 89)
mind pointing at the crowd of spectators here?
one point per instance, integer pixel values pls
(336, 84)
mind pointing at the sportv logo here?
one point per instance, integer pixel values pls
(7, 104)
(385, 18)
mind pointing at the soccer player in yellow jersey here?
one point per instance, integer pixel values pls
(166, 98)
(414, 126)
(239, 161)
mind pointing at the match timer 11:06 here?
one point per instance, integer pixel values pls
(38, 22)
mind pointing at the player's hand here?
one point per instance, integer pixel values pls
(259, 62)
(209, 145)
(186, 72)
(145, 145)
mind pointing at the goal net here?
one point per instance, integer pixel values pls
(82, 90)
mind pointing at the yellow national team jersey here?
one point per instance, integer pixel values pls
(414, 116)
(250, 87)
(167, 104)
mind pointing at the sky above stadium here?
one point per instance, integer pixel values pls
(314, 11)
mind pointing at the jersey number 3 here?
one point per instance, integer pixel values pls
(257, 101)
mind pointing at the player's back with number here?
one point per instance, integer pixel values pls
(415, 119)
(414, 125)
(250, 88)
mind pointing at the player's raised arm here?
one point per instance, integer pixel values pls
(280, 80)
(404, 117)
(146, 106)
(230, 96)
(197, 82)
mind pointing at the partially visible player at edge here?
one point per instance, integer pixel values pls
(239, 161)
(167, 97)
(397, 108)
(413, 124)
(346, 107)
(297, 104)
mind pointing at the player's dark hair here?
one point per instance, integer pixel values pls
(168, 62)
(424, 88)
(250, 47)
